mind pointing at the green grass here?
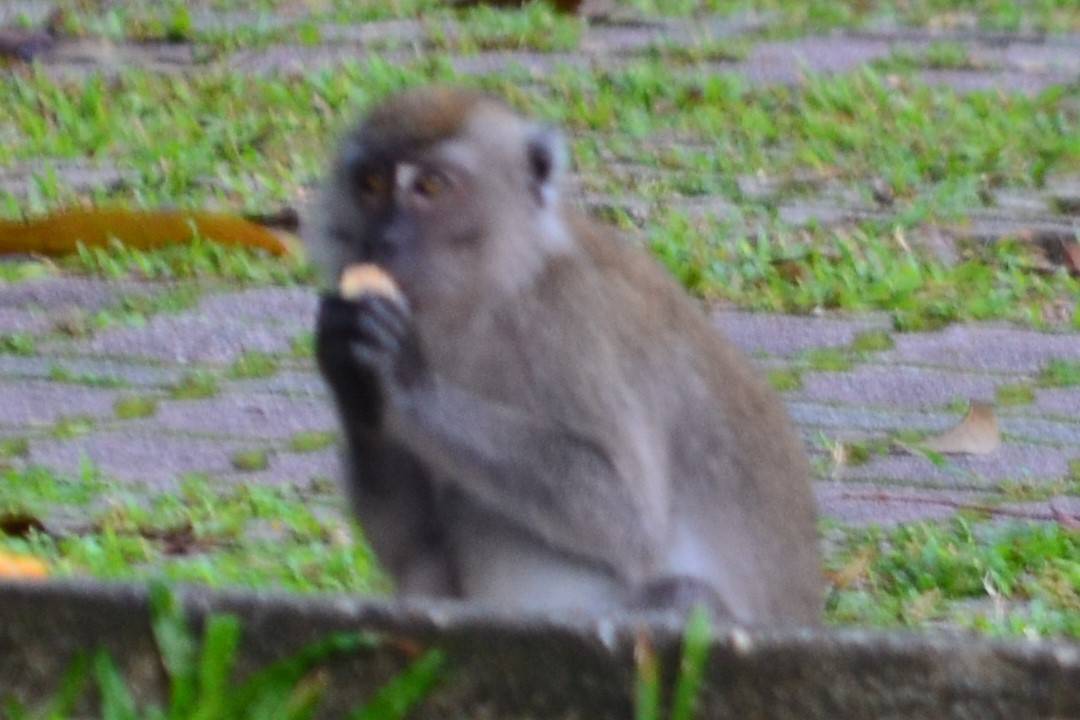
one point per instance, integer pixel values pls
(785, 379)
(134, 407)
(1014, 394)
(196, 385)
(208, 532)
(688, 676)
(1060, 373)
(60, 373)
(929, 573)
(312, 441)
(252, 365)
(251, 460)
(872, 341)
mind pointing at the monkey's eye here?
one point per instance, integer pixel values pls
(429, 184)
(372, 183)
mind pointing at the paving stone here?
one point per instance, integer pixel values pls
(136, 375)
(1042, 57)
(140, 456)
(786, 62)
(291, 382)
(303, 59)
(983, 347)
(1059, 401)
(216, 20)
(286, 306)
(965, 81)
(15, 320)
(538, 64)
(77, 58)
(259, 416)
(1033, 463)
(36, 403)
(1040, 430)
(80, 176)
(298, 470)
(805, 212)
(1018, 201)
(862, 419)
(60, 294)
(378, 32)
(898, 386)
(129, 373)
(790, 334)
(188, 338)
(1057, 508)
(33, 11)
(859, 505)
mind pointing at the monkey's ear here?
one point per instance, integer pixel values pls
(546, 154)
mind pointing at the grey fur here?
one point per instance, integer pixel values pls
(579, 432)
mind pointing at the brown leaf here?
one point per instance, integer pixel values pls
(1071, 256)
(24, 45)
(977, 433)
(20, 524)
(856, 569)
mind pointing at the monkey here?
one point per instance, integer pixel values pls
(543, 419)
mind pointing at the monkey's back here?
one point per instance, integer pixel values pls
(749, 509)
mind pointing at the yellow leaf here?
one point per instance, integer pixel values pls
(61, 232)
(21, 567)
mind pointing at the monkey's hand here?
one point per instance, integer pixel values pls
(356, 388)
(384, 343)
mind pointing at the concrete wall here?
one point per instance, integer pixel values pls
(581, 668)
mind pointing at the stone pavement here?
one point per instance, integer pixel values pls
(919, 384)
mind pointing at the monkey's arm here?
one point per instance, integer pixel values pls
(561, 484)
(581, 493)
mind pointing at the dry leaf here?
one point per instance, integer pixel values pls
(977, 434)
(854, 571)
(21, 566)
(24, 45)
(1071, 251)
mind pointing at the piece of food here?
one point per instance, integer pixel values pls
(367, 278)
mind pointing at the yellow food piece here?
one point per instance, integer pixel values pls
(21, 566)
(367, 278)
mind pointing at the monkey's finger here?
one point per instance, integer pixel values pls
(367, 356)
(387, 312)
(372, 332)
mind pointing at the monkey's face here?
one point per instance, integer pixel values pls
(413, 213)
(448, 217)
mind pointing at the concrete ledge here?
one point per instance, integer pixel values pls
(543, 667)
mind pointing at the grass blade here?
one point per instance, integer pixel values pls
(116, 700)
(71, 689)
(396, 698)
(266, 692)
(695, 655)
(220, 641)
(647, 688)
(177, 648)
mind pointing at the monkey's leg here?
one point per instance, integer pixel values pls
(681, 594)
